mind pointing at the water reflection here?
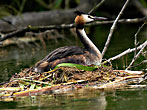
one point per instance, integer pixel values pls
(75, 100)
(83, 100)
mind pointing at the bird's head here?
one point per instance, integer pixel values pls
(83, 18)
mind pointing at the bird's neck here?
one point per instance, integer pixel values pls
(88, 44)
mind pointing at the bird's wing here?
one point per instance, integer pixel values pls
(63, 52)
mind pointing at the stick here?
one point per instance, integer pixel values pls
(113, 27)
(97, 6)
(135, 42)
(136, 56)
(143, 62)
(135, 20)
(126, 52)
(33, 81)
(63, 26)
(35, 29)
(132, 62)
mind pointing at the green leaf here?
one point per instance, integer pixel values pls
(81, 67)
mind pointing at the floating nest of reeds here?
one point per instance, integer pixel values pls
(63, 79)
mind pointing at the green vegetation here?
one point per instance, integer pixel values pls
(15, 7)
(144, 3)
(81, 67)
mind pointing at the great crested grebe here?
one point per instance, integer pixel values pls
(88, 55)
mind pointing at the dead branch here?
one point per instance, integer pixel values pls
(63, 26)
(137, 55)
(143, 62)
(113, 27)
(135, 20)
(97, 6)
(127, 52)
(145, 22)
(34, 29)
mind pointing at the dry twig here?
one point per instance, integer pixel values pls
(143, 62)
(63, 26)
(135, 57)
(97, 6)
(113, 27)
(135, 42)
(127, 52)
(35, 29)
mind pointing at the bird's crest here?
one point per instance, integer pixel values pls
(79, 12)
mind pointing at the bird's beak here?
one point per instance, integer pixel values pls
(99, 18)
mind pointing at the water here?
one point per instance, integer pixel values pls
(82, 100)
(13, 59)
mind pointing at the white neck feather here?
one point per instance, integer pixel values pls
(90, 44)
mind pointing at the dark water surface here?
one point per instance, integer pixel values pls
(82, 100)
(13, 59)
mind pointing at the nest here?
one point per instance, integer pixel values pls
(28, 82)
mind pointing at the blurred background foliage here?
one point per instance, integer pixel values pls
(15, 7)
(143, 2)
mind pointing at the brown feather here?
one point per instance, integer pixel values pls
(83, 59)
(79, 20)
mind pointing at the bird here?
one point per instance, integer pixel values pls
(87, 55)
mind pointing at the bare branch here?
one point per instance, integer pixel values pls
(145, 22)
(113, 27)
(97, 6)
(143, 62)
(138, 54)
(126, 52)
(35, 29)
(135, 20)
(63, 26)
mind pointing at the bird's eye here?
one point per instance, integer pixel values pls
(89, 16)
